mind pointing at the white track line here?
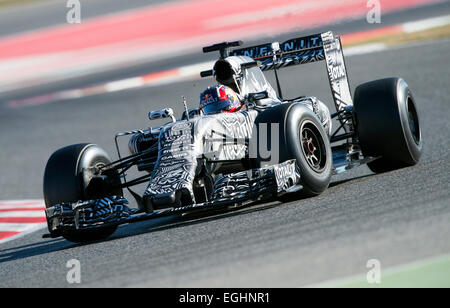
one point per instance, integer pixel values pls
(364, 49)
(15, 227)
(30, 206)
(19, 202)
(33, 228)
(426, 24)
(125, 84)
(23, 214)
(12, 209)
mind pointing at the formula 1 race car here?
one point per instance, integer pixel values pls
(269, 148)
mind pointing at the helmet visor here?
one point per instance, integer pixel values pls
(216, 107)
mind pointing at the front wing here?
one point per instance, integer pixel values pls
(237, 189)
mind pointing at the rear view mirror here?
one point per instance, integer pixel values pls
(252, 97)
(161, 114)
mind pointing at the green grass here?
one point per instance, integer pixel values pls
(403, 38)
(9, 3)
(433, 273)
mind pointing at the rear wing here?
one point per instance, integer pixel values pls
(308, 49)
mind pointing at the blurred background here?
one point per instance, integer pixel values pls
(80, 71)
(47, 41)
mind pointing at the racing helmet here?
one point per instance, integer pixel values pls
(217, 99)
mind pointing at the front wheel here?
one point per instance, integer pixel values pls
(302, 137)
(65, 181)
(387, 124)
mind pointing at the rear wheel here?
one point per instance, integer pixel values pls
(387, 123)
(65, 181)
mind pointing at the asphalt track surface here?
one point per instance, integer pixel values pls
(397, 217)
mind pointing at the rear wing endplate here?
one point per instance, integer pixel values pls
(313, 48)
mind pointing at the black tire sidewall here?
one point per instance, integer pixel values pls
(313, 182)
(381, 116)
(290, 118)
(65, 181)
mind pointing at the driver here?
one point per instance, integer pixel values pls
(217, 99)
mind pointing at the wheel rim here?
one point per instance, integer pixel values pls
(413, 121)
(313, 147)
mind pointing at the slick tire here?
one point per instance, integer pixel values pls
(64, 181)
(387, 124)
(302, 137)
